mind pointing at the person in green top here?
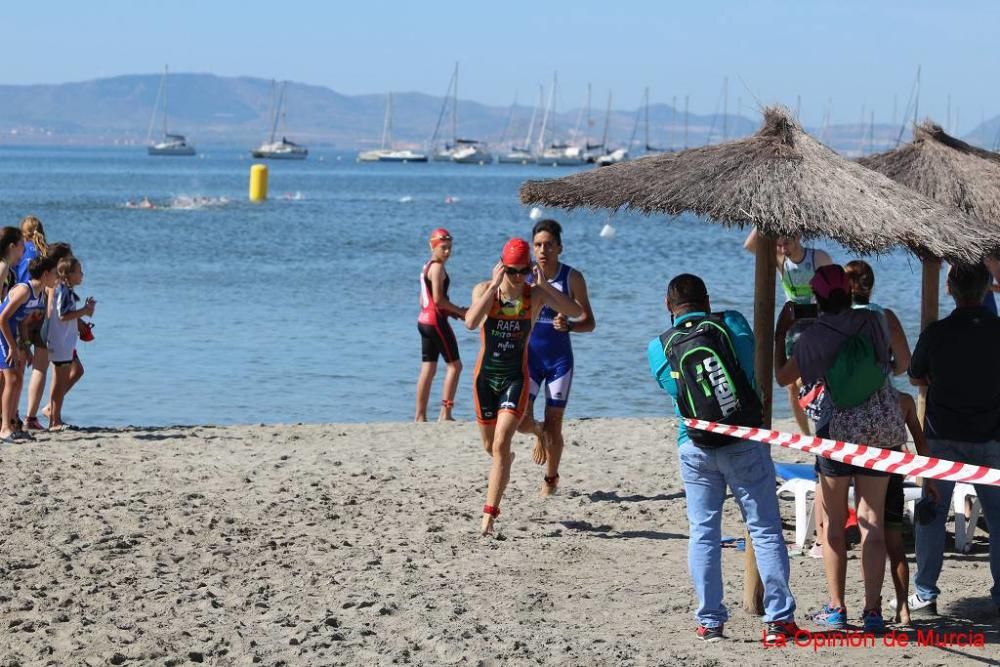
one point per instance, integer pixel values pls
(796, 266)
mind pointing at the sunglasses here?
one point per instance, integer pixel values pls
(511, 271)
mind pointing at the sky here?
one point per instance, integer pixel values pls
(848, 58)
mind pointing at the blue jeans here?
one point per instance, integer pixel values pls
(930, 538)
(747, 469)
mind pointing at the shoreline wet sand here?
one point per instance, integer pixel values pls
(357, 544)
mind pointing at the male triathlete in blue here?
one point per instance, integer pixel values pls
(550, 353)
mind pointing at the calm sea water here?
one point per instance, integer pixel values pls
(303, 309)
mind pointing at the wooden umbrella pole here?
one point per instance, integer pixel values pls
(763, 331)
(930, 305)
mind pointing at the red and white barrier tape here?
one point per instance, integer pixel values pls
(864, 456)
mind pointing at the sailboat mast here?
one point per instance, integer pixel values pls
(454, 109)
(509, 127)
(673, 123)
(725, 109)
(277, 111)
(916, 102)
(545, 116)
(156, 108)
(871, 134)
(687, 98)
(389, 122)
(645, 104)
(164, 101)
(385, 120)
(534, 113)
(607, 123)
(586, 129)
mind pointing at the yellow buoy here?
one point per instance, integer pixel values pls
(258, 182)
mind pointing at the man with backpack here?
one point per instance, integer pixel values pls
(705, 362)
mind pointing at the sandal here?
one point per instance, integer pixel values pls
(32, 424)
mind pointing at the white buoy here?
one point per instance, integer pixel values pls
(607, 231)
(536, 214)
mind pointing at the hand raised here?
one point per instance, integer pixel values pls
(498, 274)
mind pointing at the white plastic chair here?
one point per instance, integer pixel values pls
(965, 530)
(802, 491)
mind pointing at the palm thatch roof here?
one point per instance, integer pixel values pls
(947, 170)
(782, 181)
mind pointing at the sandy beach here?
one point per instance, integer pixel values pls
(357, 544)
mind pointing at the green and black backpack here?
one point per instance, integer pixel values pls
(711, 384)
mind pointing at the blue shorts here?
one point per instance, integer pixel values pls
(556, 373)
(3, 352)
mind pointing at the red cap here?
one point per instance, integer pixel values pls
(439, 235)
(515, 252)
(828, 279)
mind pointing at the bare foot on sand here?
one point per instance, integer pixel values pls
(549, 486)
(902, 617)
(540, 453)
(445, 418)
(486, 527)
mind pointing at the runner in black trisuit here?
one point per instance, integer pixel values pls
(505, 308)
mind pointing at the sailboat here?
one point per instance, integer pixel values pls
(391, 154)
(649, 147)
(558, 154)
(610, 156)
(283, 149)
(522, 154)
(383, 149)
(462, 151)
(171, 144)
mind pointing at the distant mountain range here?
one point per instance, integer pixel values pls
(237, 111)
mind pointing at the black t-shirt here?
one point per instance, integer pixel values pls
(960, 356)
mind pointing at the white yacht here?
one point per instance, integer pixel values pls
(404, 155)
(387, 153)
(614, 157)
(516, 156)
(469, 151)
(170, 144)
(522, 154)
(283, 149)
(564, 155)
(461, 151)
(373, 155)
(558, 154)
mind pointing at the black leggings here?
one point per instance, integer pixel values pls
(438, 340)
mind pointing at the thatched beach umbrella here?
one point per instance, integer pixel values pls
(954, 174)
(782, 181)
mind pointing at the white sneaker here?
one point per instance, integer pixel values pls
(917, 605)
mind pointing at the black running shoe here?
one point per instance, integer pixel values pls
(709, 635)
